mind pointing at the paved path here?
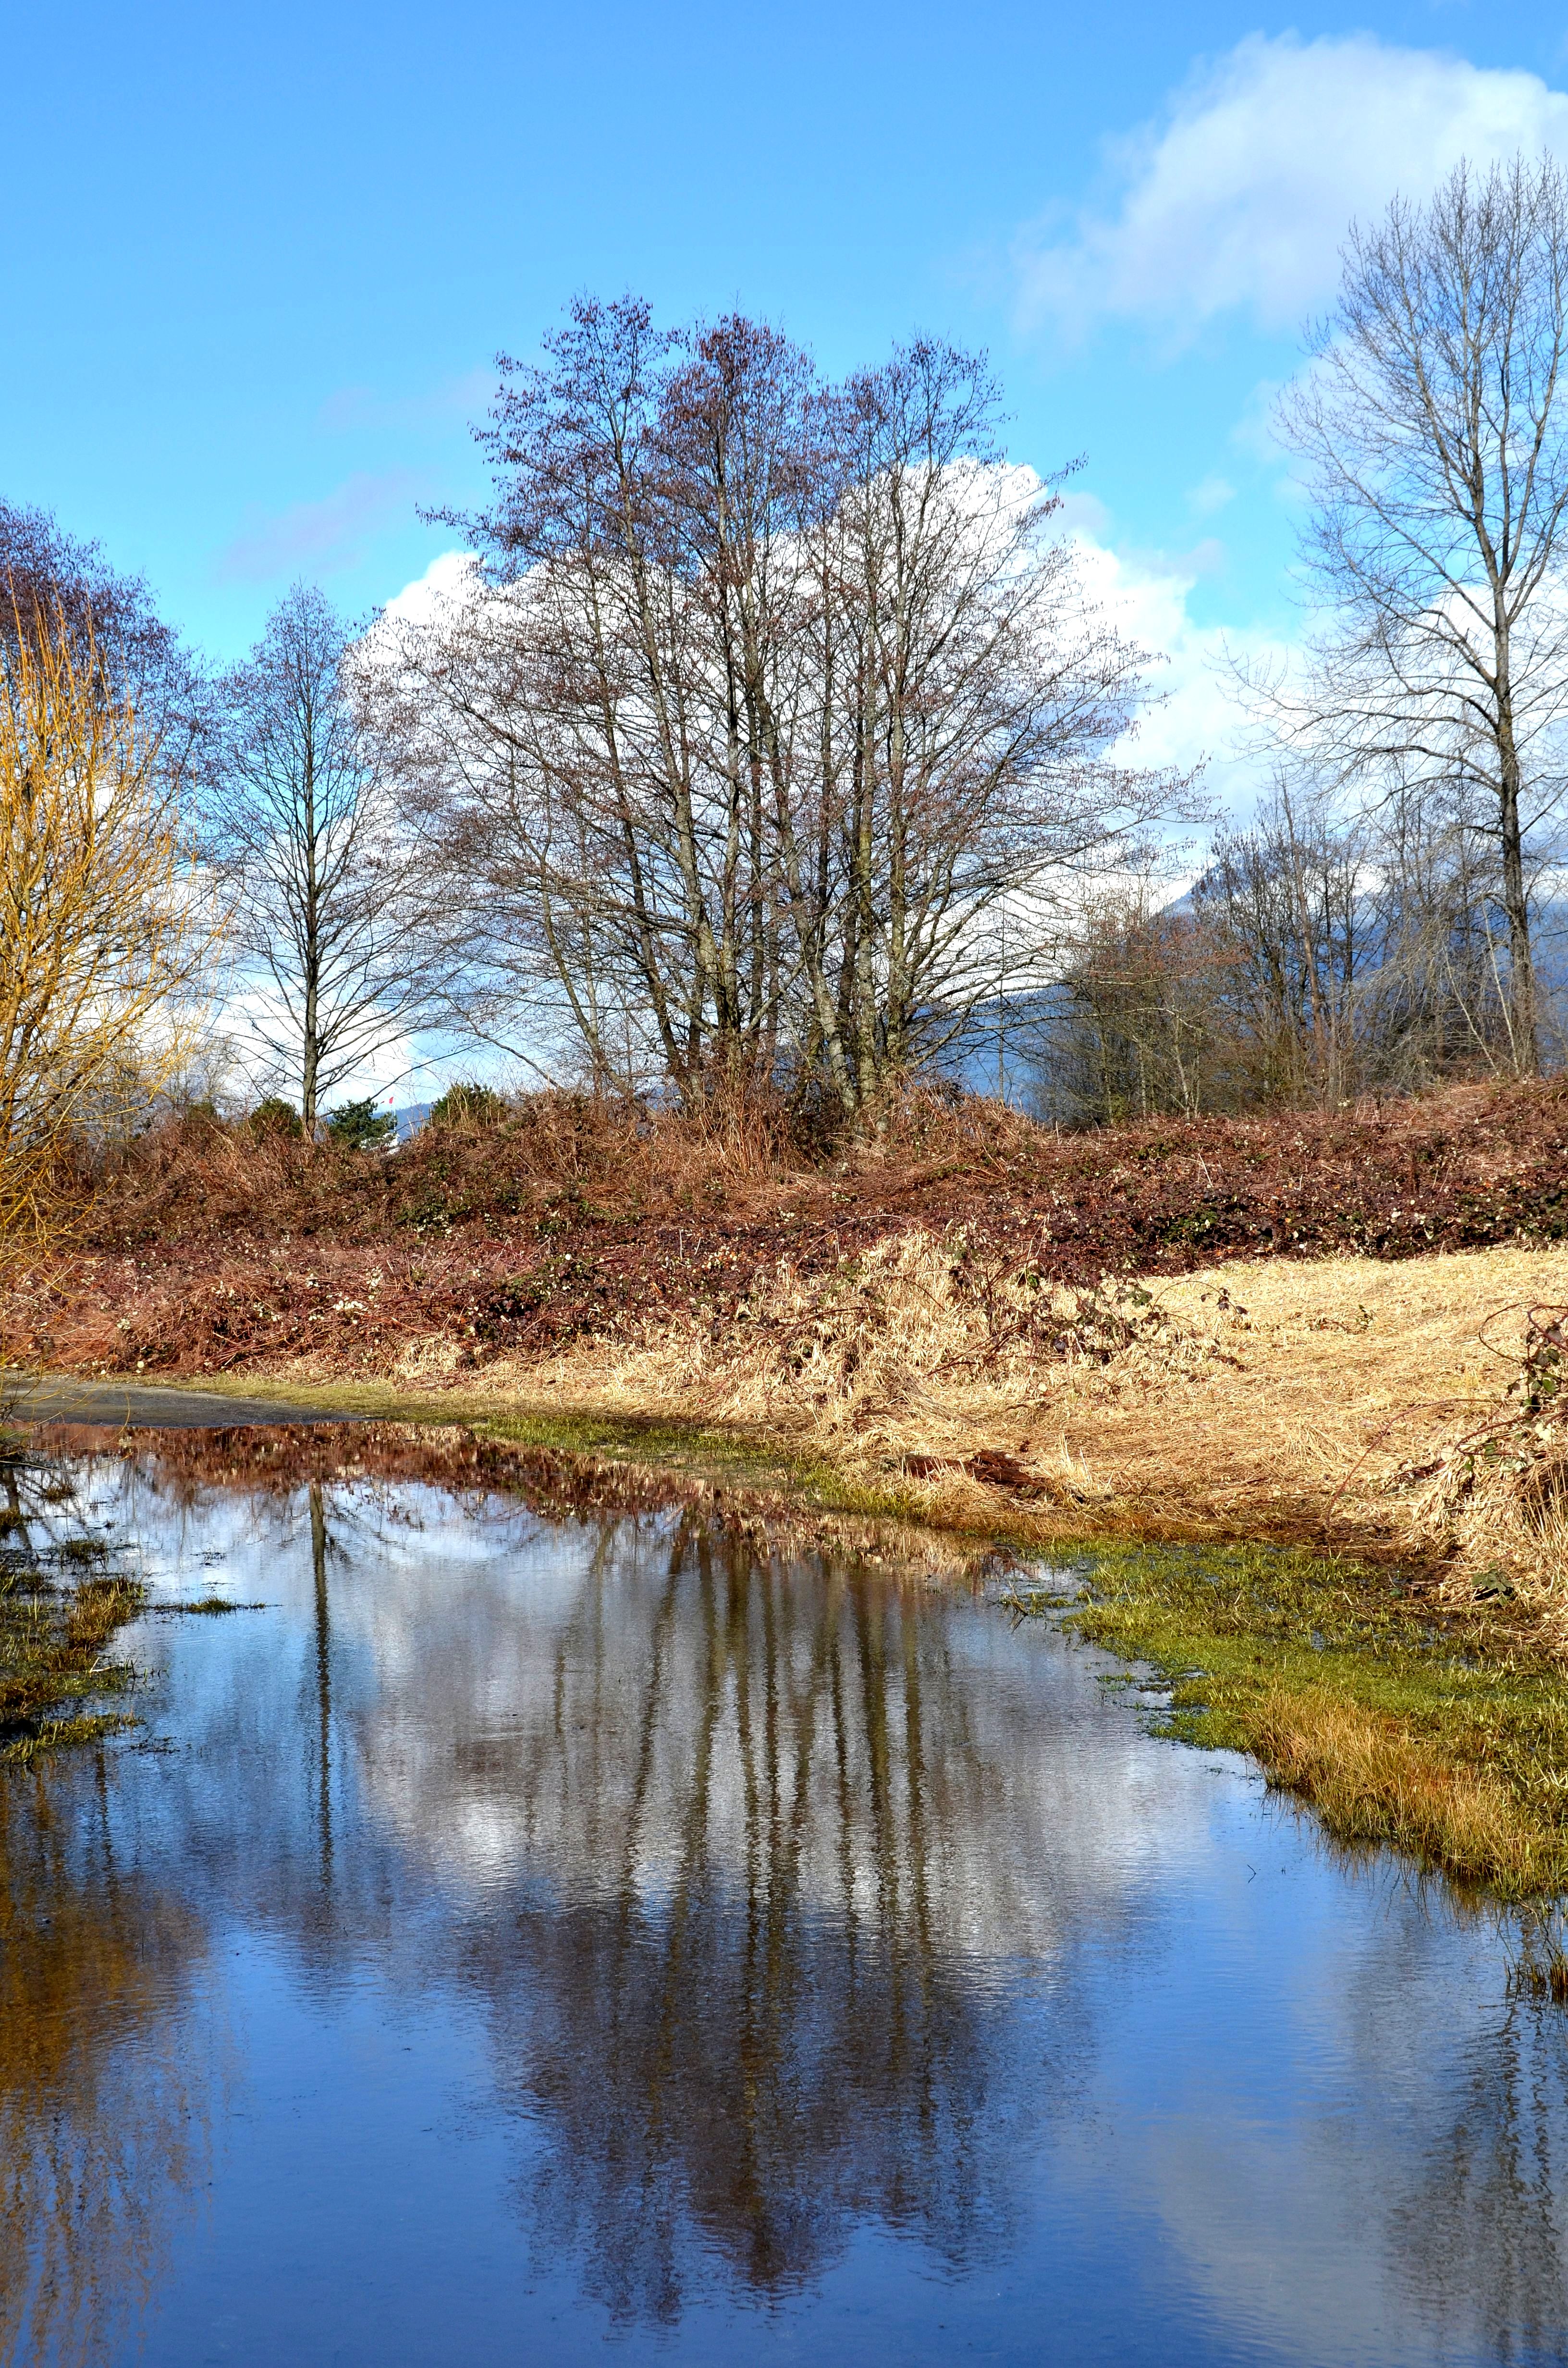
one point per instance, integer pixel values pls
(58, 1397)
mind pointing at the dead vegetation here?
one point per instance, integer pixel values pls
(204, 1249)
(1217, 1329)
(1270, 1399)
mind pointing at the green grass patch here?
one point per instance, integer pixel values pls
(725, 1453)
(1447, 1738)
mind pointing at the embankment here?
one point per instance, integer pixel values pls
(1307, 1326)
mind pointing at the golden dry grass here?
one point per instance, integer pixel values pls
(1372, 1782)
(1266, 1397)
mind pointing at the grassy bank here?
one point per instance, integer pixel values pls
(1391, 1409)
(1445, 1738)
(1296, 1327)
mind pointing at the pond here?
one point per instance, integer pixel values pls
(526, 1935)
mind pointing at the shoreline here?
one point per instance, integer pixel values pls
(1406, 1713)
(1336, 1403)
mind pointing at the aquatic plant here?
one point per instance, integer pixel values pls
(60, 1610)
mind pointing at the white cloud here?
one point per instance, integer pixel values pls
(1080, 513)
(1254, 432)
(448, 581)
(1241, 195)
(1198, 721)
(1196, 718)
(351, 408)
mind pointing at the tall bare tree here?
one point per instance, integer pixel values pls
(1432, 430)
(974, 701)
(305, 831)
(595, 735)
(778, 692)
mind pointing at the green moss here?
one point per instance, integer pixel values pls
(725, 1453)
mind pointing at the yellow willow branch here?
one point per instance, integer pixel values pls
(95, 930)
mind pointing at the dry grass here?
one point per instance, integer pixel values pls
(1266, 1398)
(1372, 1782)
(199, 1248)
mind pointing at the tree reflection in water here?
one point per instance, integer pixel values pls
(1480, 2237)
(757, 2003)
(792, 1901)
(104, 2121)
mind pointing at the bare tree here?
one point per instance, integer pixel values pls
(778, 693)
(600, 739)
(98, 940)
(1314, 957)
(1432, 431)
(55, 589)
(305, 831)
(972, 702)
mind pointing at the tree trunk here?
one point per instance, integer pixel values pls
(308, 1083)
(1516, 904)
(311, 947)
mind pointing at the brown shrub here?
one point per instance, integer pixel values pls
(201, 1248)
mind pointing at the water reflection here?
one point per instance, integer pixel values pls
(759, 1911)
(759, 1999)
(103, 2104)
(1481, 2233)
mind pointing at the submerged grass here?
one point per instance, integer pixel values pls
(60, 1610)
(52, 1668)
(1445, 1738)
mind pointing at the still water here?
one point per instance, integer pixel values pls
(528, 1940)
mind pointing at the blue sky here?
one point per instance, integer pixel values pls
(263, 258)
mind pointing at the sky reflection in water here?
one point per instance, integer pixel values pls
(528, 1933)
